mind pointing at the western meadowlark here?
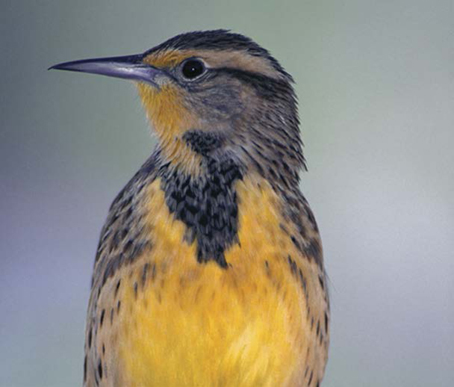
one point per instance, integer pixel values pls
(209, 270)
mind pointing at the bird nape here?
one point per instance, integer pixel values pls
(209, 269)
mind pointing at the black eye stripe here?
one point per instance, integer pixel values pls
(265, 85)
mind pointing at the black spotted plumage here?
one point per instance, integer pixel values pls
(246, 134)
(207, 205)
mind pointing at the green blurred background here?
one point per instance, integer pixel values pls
(375, 81)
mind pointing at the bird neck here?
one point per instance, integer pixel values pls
(170, 120)
(206, 203)
(210, 203)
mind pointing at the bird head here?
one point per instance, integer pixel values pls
(212, 93)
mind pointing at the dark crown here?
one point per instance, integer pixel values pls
(219, 40)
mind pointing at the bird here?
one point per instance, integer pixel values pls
(209, 269)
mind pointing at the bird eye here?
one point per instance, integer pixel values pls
(193, 68)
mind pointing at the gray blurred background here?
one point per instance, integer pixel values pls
(375, 81)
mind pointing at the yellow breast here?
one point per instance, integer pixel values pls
(183, 323)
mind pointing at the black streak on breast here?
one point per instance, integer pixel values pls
(207, 204)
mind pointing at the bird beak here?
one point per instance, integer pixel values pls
(126, 67)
